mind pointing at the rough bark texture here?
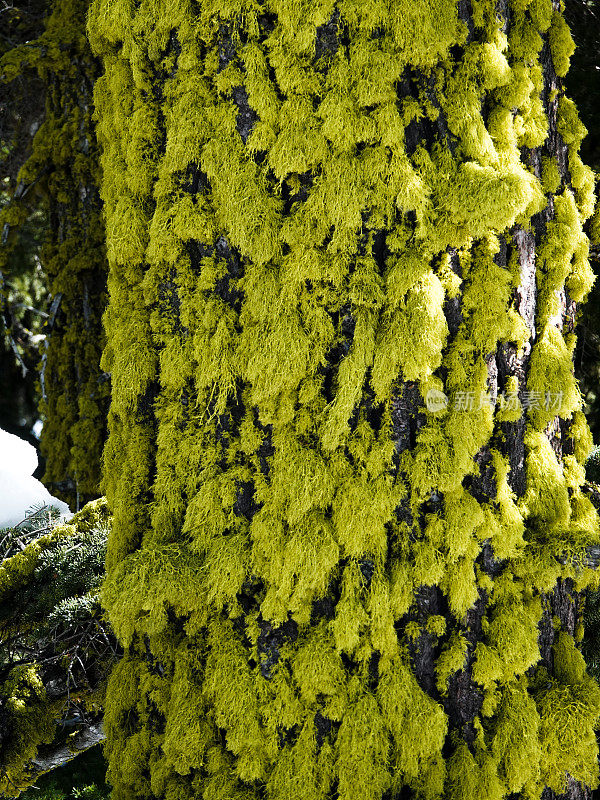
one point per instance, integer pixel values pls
(345, 448)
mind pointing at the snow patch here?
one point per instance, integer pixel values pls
(19, 490)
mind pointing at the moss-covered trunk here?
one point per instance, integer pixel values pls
(74, 391)
(345, 244)
(62, 176)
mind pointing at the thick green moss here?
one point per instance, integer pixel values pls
(252, 161)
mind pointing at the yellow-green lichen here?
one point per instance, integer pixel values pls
(306, 239)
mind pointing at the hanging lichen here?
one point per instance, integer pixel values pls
(62, 174)
(319, 215)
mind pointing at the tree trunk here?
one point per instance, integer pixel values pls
(61, 176)
(345, 247)
(75, 391)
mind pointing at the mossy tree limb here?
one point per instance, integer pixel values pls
(56, 649)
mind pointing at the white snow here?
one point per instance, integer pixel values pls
(19, 490)
(17, 455)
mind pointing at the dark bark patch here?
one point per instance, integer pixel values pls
(345, 324)
(514, 447)
(196, 252)
(487, 561)
(247, 116)
(245, 504)
(155, 667)
(464, 9)
(289, 736)
(326, 42)
(423, 652)
(266, 449)
(267, 23)
(406, 418)
(157, 722)
(424, 648)
(546, 638)
(146, 401)
(249, 595)
(483, 485)
(374, 670)
(473, 629)
(453, 314)
(196, 181)
(169, 299)
(323, 608)
(403, 513)
(300, 196)
(270, 641)
(575, 791)
(226, 48)
(349, 664)
(174, 49)
(463, 703)
(324, 727)
(380, 250)
(553, 433)
(367, 568)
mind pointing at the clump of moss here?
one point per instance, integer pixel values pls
(32, 724)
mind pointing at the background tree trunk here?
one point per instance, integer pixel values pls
(344, 461)
(61, 177)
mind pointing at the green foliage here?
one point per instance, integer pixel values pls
(59, 563)
(52, 634)
(71, 569)
(592, 466)
(72, 612)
